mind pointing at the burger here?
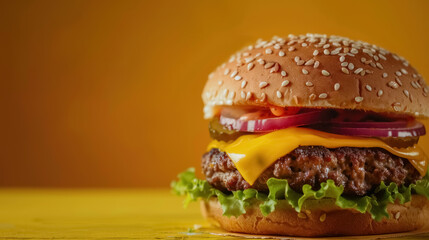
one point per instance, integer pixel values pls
(313, 135)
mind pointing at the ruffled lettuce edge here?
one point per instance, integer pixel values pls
(236, 202)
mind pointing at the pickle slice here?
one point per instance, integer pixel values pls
(219, 132)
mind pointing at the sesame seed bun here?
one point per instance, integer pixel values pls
(315, 221)
(318, 71)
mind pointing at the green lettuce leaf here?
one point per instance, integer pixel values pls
(236, 203)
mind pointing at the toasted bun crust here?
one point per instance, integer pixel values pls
(322, 222)
(318, 71)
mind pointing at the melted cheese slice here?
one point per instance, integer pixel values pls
(252, 154)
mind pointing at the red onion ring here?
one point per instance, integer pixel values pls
(271, 124)
(393, 124)
(413, 129)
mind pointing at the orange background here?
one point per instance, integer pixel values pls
(107, 93)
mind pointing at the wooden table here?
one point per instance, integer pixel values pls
(102, 214)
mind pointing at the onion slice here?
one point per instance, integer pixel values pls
(392, 124)
(412, 129)
(271, 124)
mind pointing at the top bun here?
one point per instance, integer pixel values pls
(318, 71)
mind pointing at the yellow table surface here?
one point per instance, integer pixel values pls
(102, 214)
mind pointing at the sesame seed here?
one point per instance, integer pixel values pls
(261, 61)
(342, 58)
(226, 72)
(304, 44)
(258, 54)
(322, 217)
(281, 53)
(392, 84)
(285, 83)
(396, 108)
(379, 93)
(243, 84)
(363, 60)
(382, 57)
(225, 92)
(233, 74)
(414, 84)
(367, 51)
(302, 215)
(326, 46)
(291, 49)
(335, 51)
(379, 65)
(369, 88)
(312, 97)
(351, 66)
(372, 64)
(305, 71)
(385, 75)
(295, 99)
(296, 59)
(316, 64)
(326, 52)
(375, 57)
(407, 94)
(309, 84)
(279, 94)
(250, 66)
(354, 51)
(263, 96)
(323, 95)
(238, 78)
(357, 71)
(344, 64)
(345, 70)
(398, 73)
(275, 68)
(398, 81)
(397, 215)
(268, 51)
(249, 59)
(248, 95)
(309, 62)
(315, 53)
(358, 99)
(219, 83)
(277, 46)
(268, 65)
(263, 84)
(231, 95)
(325, 73)
(300, 62)
(404, 71)
(243, 95)
(336, 86)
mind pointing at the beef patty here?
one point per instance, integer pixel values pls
(359, 170)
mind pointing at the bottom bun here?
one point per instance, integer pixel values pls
(321, 218)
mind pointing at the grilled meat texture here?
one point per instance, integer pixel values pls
(359, 170)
